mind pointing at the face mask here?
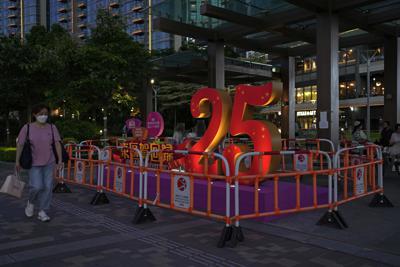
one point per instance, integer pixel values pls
(42, 118)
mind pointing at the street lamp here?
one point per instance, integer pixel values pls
(155, 90)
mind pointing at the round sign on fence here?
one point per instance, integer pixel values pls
(119, 179)
(155, 124)
(133, 123)
(301, 162)
(359, 180)
(79, 171)
(182, 191)
(105, 155)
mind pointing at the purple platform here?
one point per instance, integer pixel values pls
(287, 194)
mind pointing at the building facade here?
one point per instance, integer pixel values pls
(17, 17)
(79, 16)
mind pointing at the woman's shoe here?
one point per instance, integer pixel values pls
(43, 216)
(29, 209)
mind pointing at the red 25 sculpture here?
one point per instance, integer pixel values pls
(238, 121)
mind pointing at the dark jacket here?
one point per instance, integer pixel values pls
(386, 133)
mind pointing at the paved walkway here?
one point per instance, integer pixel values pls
(85, 235)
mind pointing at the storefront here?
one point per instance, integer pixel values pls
(306, 120)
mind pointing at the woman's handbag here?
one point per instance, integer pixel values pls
(64, 153)
(25, 159)
(13, 186)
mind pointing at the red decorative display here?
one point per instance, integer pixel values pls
(239, 121)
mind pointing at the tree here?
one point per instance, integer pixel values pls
(12, 68)
(112, 67)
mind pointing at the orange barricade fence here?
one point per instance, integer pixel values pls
(310, 144)
(359, 173)
(278, 193)
(298, 185)
(114, 169)
(116, 141)
(121, 171)
(203, 194)
(296, 144)
(83, 166)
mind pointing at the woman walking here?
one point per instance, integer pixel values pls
(42, 136)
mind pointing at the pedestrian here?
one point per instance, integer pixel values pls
(41, 136)
(386, 133)
(394, 142)
(178, 133)
(358, 135)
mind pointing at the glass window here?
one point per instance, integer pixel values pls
(377, 86)
(307, 94)
(299, 95)
(314, 93)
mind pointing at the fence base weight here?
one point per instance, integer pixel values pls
(99, 199)
(230, 236)
(333, 219)
(61, 187)
(143, 215)
(380, 200)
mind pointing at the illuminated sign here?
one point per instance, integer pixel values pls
(237, 119)
(306, 113)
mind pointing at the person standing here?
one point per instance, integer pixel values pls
(41, 136)
(386, 133)
(358, 135)
(394, 142)
(179, 134)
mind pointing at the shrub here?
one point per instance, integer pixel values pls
(7, 154)
(77, 130)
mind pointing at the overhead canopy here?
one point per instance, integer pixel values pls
(278, 27)
(191, 66)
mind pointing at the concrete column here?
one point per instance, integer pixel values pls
(146, 100)
(74, 16)
(391, 107)
(288, 111)
(328, 77)
(216, 65)
(357, 76)
(43, 14)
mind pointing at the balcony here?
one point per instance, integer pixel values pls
(82, 26)
(138, 21)
(137, 8)
(82, 15)
(82, 36)
(138, 33)
(62, 1)
(82, 5)
(115, 15)
(62, 10)
(12, 16)
(12, 25)
(12, 7)
(62, 20)
(114, 4)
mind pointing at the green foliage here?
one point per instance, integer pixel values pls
(7, 154)
(78, 78)
(78, 130)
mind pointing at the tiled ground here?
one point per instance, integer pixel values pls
(85, 235)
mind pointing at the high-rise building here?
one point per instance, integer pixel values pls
(17, 17)
(79, 16)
